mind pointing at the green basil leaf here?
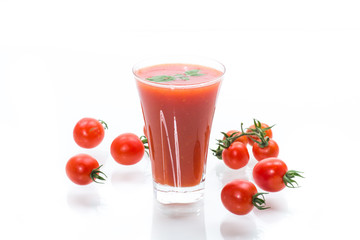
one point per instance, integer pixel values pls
(194, 72)
(161, 78)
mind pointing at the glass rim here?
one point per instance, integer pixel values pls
(177, 59)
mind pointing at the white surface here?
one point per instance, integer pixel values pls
(290, 63)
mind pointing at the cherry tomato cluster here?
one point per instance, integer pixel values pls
(126, 149)
(270, 173)
(238, 196)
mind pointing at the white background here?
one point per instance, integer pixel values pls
(290, 63)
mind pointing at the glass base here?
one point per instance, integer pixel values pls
(178, 195)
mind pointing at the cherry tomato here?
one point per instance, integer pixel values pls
(89, 132)
(267, 132)
(236, 156)
(83, 169)
(127, 149)
(271, 150)
(272, 175)
(242, 139)
(240, 197)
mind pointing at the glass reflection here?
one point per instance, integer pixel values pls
(178, 221)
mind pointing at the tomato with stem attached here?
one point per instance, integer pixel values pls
(257, 127)
(89, 132)
(272, 175)
(83, 169)
(229, 138)
(236, 156)
(127, 149)
(233, 133)
(265, 150)
(240, 196)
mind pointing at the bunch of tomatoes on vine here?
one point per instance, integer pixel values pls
(270, 173)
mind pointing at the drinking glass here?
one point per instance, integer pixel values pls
(178, 98)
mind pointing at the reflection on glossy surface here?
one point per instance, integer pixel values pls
(178, 221)
(131, 176)
(239, 227)
(226, 174)
(83, 198)
(278, 208)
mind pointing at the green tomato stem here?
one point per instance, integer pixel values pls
(257, 132)
(103, 123)
(288, 178)
(258, 201)
(96, 175)
(145, 141)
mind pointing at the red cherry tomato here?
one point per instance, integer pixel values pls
(240, 197)
(242, 139)
(272, 175)
(271, 150)
(236, 156)
(89, 132)
(127, 149)
(263, 125)
(83, 169)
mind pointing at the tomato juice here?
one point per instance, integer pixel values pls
(178, 109)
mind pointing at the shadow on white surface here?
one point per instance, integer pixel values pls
(83, 198)
(278, 208)
(239, 227)
(128, 176)
(226, 174)
(178, 221)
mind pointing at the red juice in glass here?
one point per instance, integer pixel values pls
(178, 103)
